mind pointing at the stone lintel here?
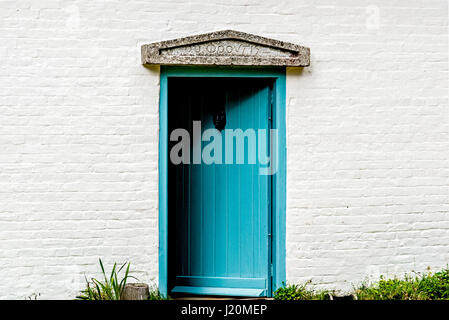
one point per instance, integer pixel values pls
(226, 47)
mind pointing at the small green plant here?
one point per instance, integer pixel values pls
(33, 296)
(436, 286)
(110, 288)
(155, 294)
(390, 289)
(300, 292)
(418, 287)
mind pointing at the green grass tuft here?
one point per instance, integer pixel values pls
(301, 292)
(418, 286)
(110, 288)
(429, 286)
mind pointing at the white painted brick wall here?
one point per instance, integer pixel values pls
(368, 136)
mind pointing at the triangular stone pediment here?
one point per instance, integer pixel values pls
(226, 47)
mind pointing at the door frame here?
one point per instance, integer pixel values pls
(278, 181)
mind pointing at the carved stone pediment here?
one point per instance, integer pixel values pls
(226, 47)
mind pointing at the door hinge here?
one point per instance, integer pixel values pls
(271, 270)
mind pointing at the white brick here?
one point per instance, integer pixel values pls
(367, 136)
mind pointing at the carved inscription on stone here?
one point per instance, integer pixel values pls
(226, 48)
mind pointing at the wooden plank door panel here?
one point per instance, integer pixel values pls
(221, 211)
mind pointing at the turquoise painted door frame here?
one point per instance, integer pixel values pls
(277, 76)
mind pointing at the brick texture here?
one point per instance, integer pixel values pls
(367, 131)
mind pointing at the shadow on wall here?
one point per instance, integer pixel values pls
(153, 69)
(295, 71)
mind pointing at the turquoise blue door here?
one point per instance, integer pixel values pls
(219, 214)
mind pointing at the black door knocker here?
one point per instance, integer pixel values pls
(219, 119)
(217, 95)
